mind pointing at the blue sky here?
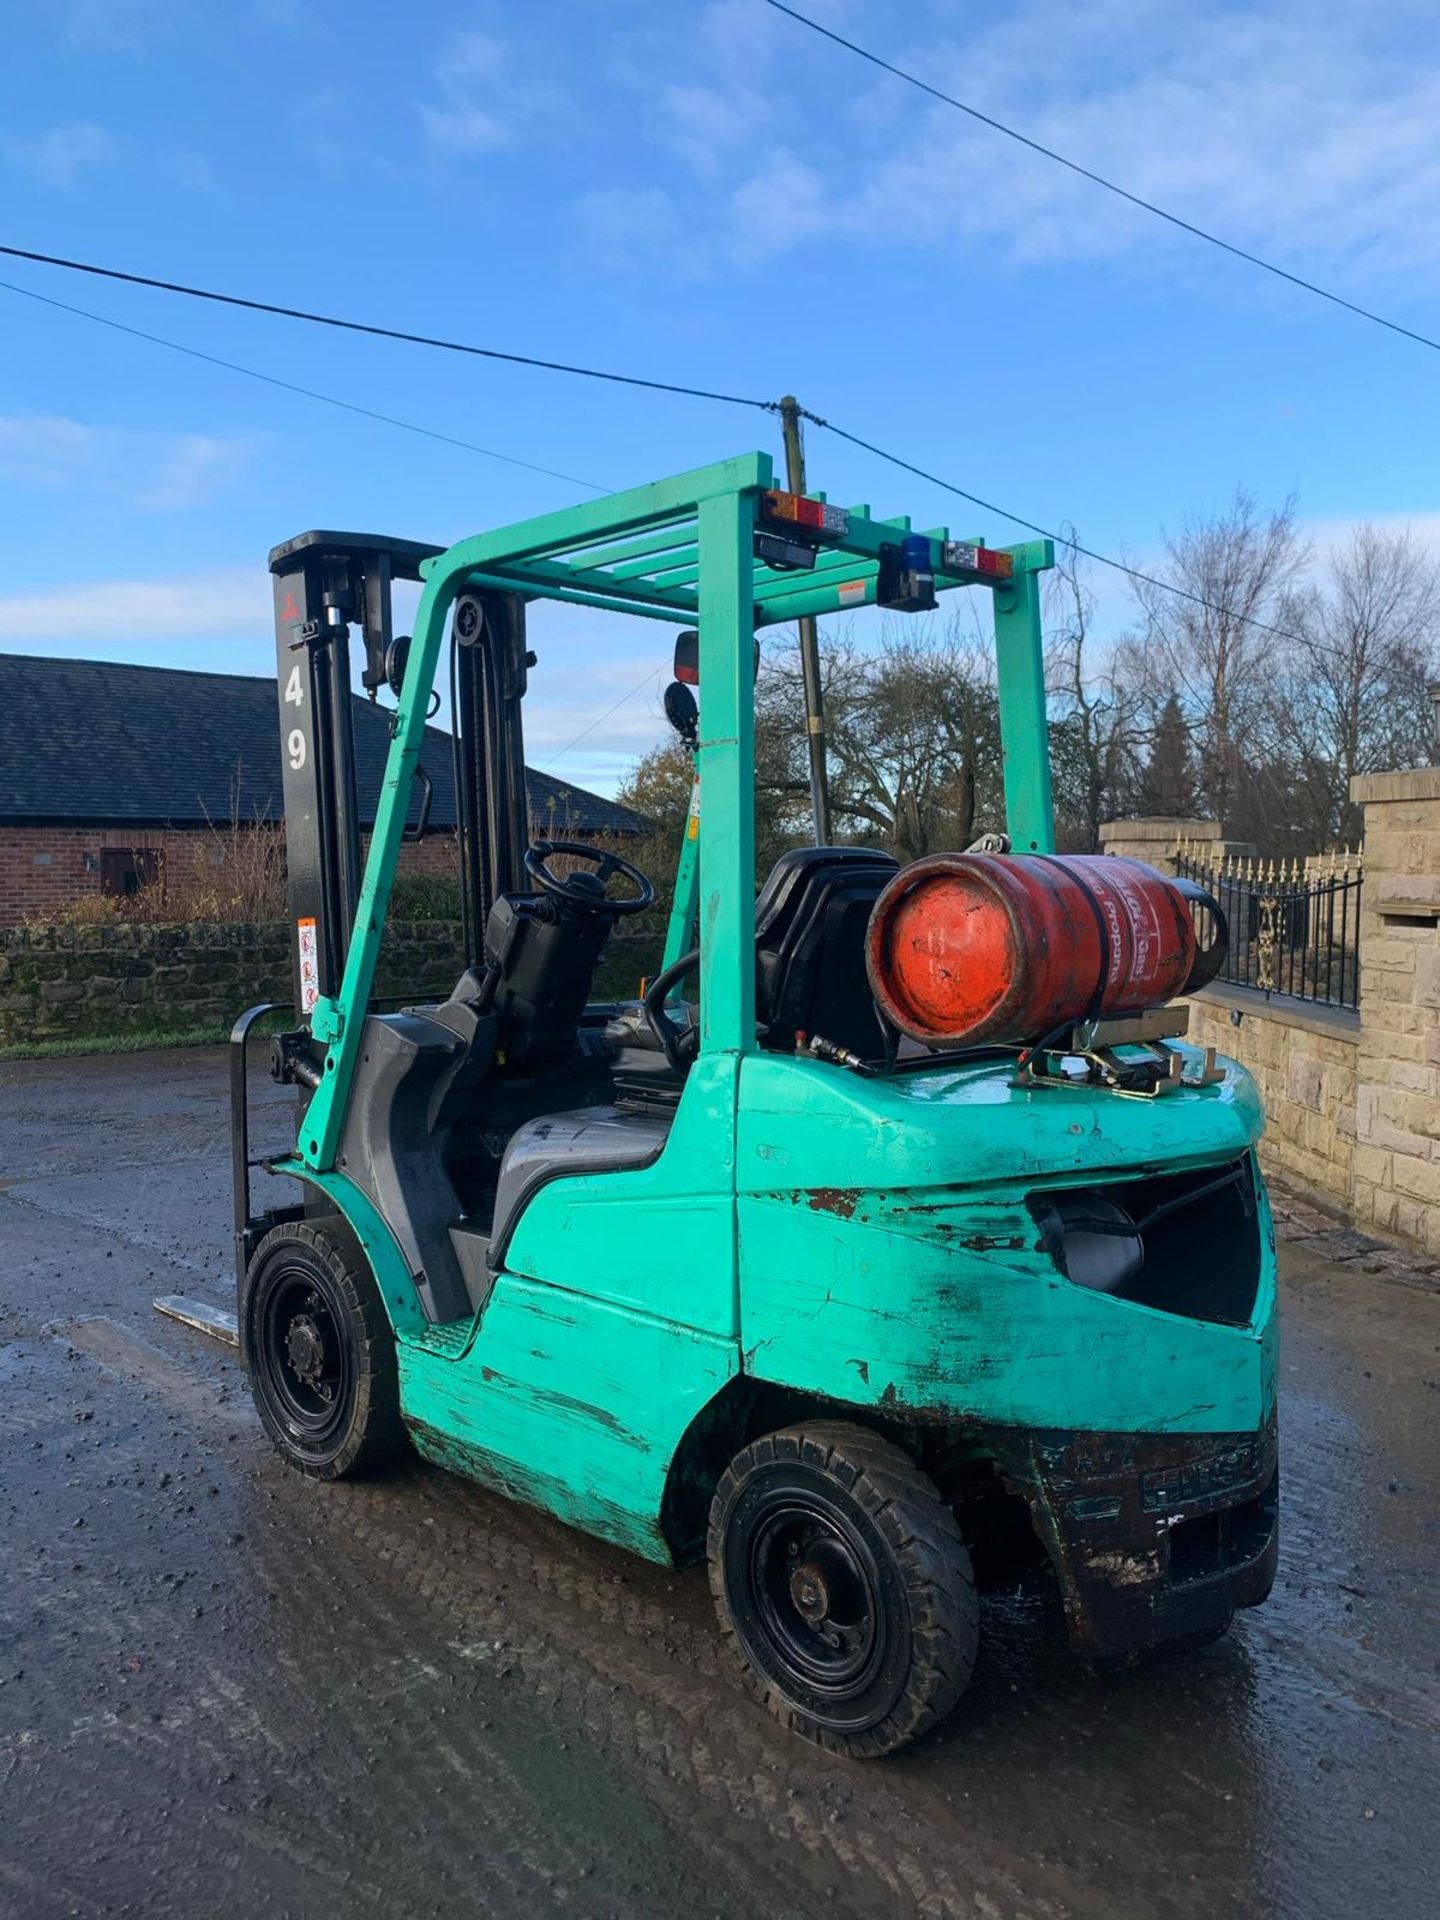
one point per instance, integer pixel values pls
(699, 190)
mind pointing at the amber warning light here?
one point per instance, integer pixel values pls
(959, 556)
(799, 510)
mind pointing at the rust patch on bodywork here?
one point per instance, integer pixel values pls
(1154, 1537)
(841, 1201)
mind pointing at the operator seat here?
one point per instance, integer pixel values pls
(559, 1145)
(810, 921)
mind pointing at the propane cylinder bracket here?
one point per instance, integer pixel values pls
(1131, 1029)
(1158, 1070)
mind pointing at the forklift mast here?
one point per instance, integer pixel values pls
(325, 583)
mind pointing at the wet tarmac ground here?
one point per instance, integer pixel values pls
(225, 1690)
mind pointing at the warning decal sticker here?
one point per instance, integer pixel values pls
(309, 964)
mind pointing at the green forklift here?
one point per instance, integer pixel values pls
(764, 1266)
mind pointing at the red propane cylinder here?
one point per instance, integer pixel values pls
(965, 947)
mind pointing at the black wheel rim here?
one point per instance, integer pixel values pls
(817, 1600)
(815, 1596)
(302, 1358)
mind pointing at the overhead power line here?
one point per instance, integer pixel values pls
(829, 426)
(386, 419)
(308, 393)
(600, 719)
(1060, 539)
(386, 333)
(1099, 180)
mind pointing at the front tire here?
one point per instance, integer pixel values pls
(319, 1351)
(839, 1572)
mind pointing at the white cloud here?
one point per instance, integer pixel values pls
(707, 124)
(463, 129)
(63, 154)
(159, 472)
(778, 209)
(105, 613)
(472, 62)
(587, 662)
(192, 469)
(602, 757)
(1299, 131)
(1328, 534)
(474, 72)
(473, 56)
(123, 26)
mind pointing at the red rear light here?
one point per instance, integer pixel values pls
(799, 510)
(959, 556)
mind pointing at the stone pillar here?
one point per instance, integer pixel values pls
(1155, 839)
(1397, 1109)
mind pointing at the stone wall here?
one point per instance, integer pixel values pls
(75, 983)
(97, 983)
(1305, 1062)
(1155, 840)
(1397, 1151)
(1352, 1099)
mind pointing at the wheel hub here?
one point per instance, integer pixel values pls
(305, 1350)
(815, 1597)
(810, 1594)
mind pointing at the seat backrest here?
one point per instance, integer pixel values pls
(810, 921)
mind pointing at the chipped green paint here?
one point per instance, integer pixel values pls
(935, 1277)
(567, 1403)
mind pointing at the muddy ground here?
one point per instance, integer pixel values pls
(225, 1690)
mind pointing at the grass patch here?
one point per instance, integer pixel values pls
(138, 1040)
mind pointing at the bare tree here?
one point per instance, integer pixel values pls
(1213, 643)
(912, 735)
(1353, 696)
(1249, 691)
(1097, 717)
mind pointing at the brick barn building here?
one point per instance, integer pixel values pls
(113, 777)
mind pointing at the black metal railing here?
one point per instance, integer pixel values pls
(1294, 924)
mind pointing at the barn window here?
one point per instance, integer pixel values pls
(125, 870)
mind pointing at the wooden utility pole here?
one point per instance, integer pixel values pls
(809, 643)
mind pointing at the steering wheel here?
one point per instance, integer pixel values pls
(679, 1045)
(589, 894)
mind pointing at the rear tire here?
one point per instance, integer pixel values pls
(319, 1351)
(839, 1573)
